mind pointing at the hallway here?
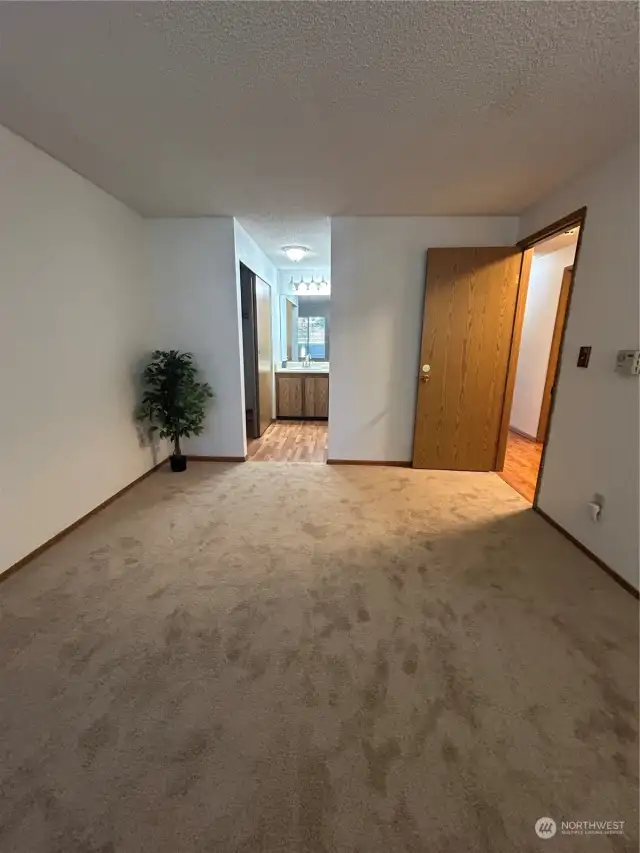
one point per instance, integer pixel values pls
(291, 441)
(521, 464)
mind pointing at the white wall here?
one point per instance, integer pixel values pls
(197, 305)
(74, 335)
(251, 255)
(377, 291)
(594, 435)
(545, 283)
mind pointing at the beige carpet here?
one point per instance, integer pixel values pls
(300, 658)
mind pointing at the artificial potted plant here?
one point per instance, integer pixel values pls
(174, 402)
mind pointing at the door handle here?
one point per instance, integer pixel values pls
(426, 370)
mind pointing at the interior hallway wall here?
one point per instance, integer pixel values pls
(75, 336)
(545, 283)
(197, 309)
(378, 268)
(595, 426)
(251, 255)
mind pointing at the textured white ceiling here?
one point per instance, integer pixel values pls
(322, 108)
(271, 233)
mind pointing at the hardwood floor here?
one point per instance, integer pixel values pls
(522, 464)
(291, 441)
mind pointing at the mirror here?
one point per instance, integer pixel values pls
(305, 327)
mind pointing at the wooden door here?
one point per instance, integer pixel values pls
(554, 354)
(264, 353)
(469, 312)
(289, 396)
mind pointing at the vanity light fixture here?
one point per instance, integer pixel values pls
(312, 287)
(295, 253)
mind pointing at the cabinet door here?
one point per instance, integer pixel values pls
(289, 396)
(316, 396)
(321, 397)
(309, 396)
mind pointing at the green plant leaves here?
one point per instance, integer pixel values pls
(174, 402)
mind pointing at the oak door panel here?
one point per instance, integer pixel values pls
(469, 310)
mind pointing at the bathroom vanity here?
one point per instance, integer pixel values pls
(303, 391)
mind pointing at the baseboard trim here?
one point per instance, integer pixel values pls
(217, 458)
(605, 568)
(524, 434)
(46, 545)
(389, 464)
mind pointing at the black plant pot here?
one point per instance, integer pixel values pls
(178, 463)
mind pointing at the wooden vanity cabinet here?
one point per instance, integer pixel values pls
(304, 396)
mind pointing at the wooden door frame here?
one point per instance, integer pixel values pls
(527, 244)
(554, 355)
(253, 318)
(251, 311)
(256, 356)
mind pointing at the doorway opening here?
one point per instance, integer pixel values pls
(300, 432)
(286, 337)
(470, 354)
(543, 323)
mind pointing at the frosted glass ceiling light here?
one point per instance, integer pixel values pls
(295, 253)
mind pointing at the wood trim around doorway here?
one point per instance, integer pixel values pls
(554, 391)
(577, 218)
(569, 221)
(514, 352)
(554, 355)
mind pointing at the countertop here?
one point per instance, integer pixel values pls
(302, 371)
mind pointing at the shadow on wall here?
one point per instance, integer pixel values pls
(146, 438)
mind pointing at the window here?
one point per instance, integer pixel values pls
(312, 338)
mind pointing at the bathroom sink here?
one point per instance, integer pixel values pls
(315, 366)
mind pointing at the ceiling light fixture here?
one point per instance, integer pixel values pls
(295, 253)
